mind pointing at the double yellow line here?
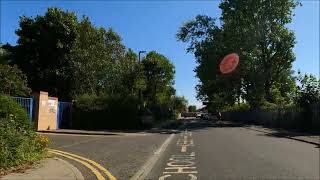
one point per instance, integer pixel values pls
(93, 166)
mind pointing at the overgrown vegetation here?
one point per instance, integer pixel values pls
(19, 144)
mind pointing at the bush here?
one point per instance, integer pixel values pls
(106, 112)
(19, 144)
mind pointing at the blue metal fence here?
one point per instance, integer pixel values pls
(64, 115)
(26, 103)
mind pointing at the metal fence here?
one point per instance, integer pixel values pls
(64, 112)
(26, 103)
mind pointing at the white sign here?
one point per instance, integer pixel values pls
(51, 102)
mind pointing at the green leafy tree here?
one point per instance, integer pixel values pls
(43, 47)
(13, 81)
(67, 57)
(5, 54)
(308, 90)
(257, 32)
(179, 103)
(159, 77)
(192, 108)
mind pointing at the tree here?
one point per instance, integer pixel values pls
(43, 47)
(179, 103)
(13, 81)
(67, 57)
(5, 54)
(192, 108)
(257, 32)
(159, 75)
(308, 91)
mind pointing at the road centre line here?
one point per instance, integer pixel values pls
(95, 171)
(105, 171)
(147, 167)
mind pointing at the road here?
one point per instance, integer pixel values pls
(215, 152)
(121, 155)
(202, 150)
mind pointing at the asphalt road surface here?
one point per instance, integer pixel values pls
(206, 151)
(121, 155)
(202, 150)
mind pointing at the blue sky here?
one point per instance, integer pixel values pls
(145, 25)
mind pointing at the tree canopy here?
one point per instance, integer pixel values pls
(257, 32)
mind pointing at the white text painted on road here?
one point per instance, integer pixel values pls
(182, 164)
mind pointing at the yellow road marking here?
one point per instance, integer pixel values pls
(95, 172)
(105, 171)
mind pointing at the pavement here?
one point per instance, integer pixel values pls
(48, 169)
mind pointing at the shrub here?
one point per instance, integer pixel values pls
(19, 144)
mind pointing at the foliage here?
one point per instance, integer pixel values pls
(19, 144)
(179, 103)
(43, 47)
(308, 90)
(71, 58)
(237, 107)
(159, 74)
(106, 112)
(5, 54)
(257, 32)
(13, 81)
(192, 108)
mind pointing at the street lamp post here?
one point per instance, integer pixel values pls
(140, 52)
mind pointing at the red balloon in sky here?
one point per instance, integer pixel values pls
(229, 63)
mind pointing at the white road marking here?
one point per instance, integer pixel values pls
(146, 168)
(183, 148)
(163, 177)
(193, 177)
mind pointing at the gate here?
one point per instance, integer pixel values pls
(26, 103)
(64, 118)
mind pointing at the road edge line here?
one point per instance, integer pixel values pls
(147, 167)
(97, 165)
(94, 170)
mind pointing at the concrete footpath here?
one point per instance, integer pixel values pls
(49, 168)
